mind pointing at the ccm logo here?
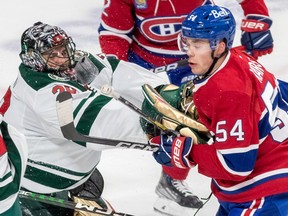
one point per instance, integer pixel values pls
(138, 146)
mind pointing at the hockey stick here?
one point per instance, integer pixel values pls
(68, 204)
(66, 121)
(108, 90)
(180, 63)
(168, 67)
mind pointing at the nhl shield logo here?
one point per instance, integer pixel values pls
(141, 4)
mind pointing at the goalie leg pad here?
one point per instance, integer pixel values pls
(89, 193)
(92, 188)
(100, 203)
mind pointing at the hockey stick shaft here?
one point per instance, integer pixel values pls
(108, 90)
(66, 121)
(68, 204)
(168, 67)
(180, 63)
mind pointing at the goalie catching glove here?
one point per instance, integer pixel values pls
(168, 114)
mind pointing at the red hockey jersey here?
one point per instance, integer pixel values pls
(242, 106)
(150, 27)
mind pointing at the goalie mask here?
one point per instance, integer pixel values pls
(48, 48)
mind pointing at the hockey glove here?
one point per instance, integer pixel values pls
(181, 98)
(173, 150)
(172, 95)
(256, 36)
(161, 111)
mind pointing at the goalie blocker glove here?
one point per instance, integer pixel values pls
(172, 94)
(256, 36)
(173, 150)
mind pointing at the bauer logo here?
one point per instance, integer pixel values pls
(162, 29)
(221, 13)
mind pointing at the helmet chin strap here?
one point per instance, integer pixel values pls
(215, 60)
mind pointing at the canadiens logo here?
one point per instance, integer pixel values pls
(162, 29)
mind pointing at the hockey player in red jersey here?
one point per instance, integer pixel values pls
(243, 107)
(145, 32)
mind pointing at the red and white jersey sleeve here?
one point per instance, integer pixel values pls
(254, 7)
(117, 24)
(244, 110)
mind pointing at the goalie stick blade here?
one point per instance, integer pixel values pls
(64, 109)
(69, 204)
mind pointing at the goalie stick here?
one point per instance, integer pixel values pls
(65, 117)
(108, 91)
(68, 204)
(180, 63)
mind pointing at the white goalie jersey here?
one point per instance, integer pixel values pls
(55, 163)
(13, 159)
